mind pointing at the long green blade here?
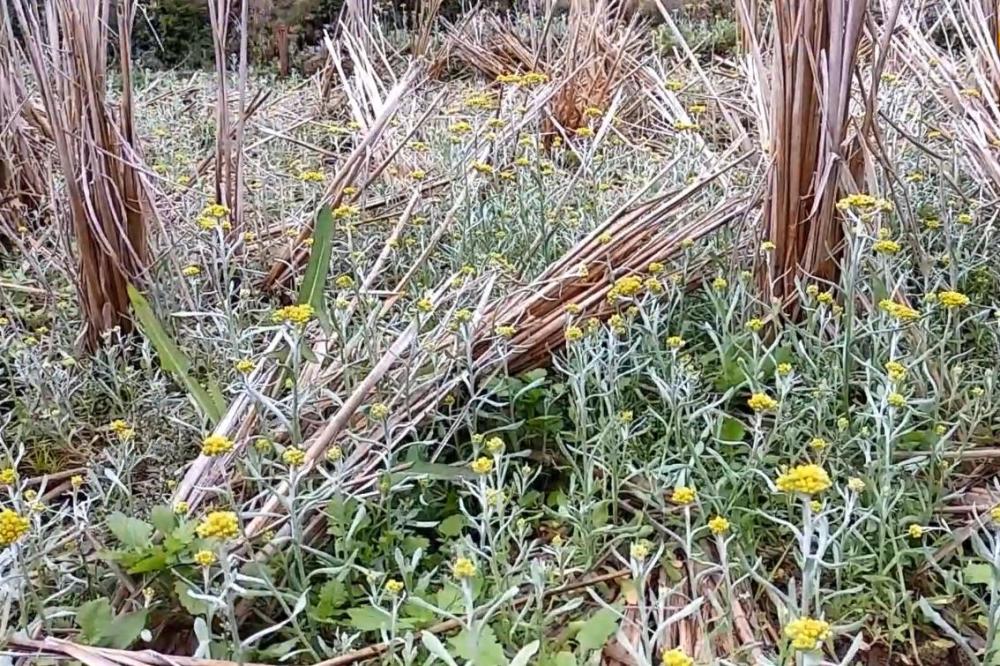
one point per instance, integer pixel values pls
(314, 281)
(172, 359)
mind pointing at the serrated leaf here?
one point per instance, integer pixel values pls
(172, 359)
(190, 604)
(481, 650)
(132, 532)
(157, 561)
(332, 596)
(94, 617)
(598, 628)
(565, 659)
(731, 430)
(163, 519)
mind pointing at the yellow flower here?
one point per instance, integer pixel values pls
(425, 305)
(818, 443)
(215, 210)
(8, 476)
(299, 315)
(191, 270)
(418, 174)
(343, 282)
(886, 246)
(718, 525)
(676, 657)
(334, 453)
(783, 369)
(534, 78)
(216, 445)
(244, 365)
(482, 465)
(505, 331)
(683, 495)
(604, 238)
(584, 132)
(630, 285)
(675, 342)
(825, 297)
(767, 246)
(626, 416)
(915, 531)
(463, 567)
(952, 299)
(344, 211)
(896, 400)
(12, 527)
(855, 485)
(655, 267)
(312, 176)
(685, 126)
(573, 333)
(807, 633)
(76, 481)
(293, 456)
(639, 550)
(673, 84)
(181, 508)
(482, 167)
(964, 218)
(755, 324)
(219, 525)
(616, 323)
(898, 311)
(393, 586)
(812, 290)
(495, 445)
(720, 283)
(379, 411)
(761, 402)
(205, 558)
(461, 127)
(896, 370)
(995, 513)
(805, 479)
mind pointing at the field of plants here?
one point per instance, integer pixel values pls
(548, 338)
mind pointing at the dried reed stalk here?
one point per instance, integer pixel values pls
(66, 50)
(814, 62)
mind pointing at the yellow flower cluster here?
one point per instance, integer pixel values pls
(393, 586)
(898, 311)
(718, 525)
(886, 246)
(312, 176)
(627, 287)
(495, 445)
(573, 333)
(379, 411)
(8, 476)
(952, 299)
(482, 465)
(676, 657)
(864, 203)
(122, 428)
(807, 633)
(219, 525)
(463, 567)
(762, 402)
(204, 558)
(675, 342)
(300, 314)
(896, 371)
(293, 456)
(804, 479)
(683, 495)
(12, 527)
(216, 445)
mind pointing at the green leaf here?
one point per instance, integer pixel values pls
(598, 628)
(481, 650)
(94, 617)
(190, 604)
(154, 562)
(599, 515)
(449, 598)
(565, 659)
(332, 596)
(731, 430)
(369, 618)
(163, 519)
(132, 532)
(314, 280)
(977, 573)
(125, 629)
(172, 359)
(435, 471)
(452, 525)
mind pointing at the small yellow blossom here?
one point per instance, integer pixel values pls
(896, 400)
(219, 525)
(244, 365)
(463, 568)
(761, 402)
(804, 479)
(191, 270)
(312, 176)
(482, 465)
(505, 331)
(818, 443)
(573, 333)
(855, 485)
(639, 550)
(915, 531)
(952, 299)
(886, 246)
(393, 586)
(181, 508)
(293, 456)
(8, 476)
(718, 525)
(76, 481)
(675, 342)
(12, 527)
(379, 411)
(720, 283)
(783, 369)
(896, 371)
(683, 495)
(676, 657)
(807, 634)
(495, 445)
(205, 558)
(216, 445)
(755, 324)
(334, 454)
(299, 315)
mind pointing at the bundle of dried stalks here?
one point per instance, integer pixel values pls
(651, 232)
(814, 63)
(66, 50)
(23, 156)
(491, 46)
